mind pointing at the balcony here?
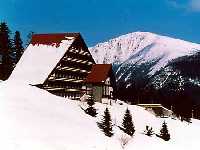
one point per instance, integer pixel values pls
(78, 70)
(66, 79)
(76, 60)
(81, 52)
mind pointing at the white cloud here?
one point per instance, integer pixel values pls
(189, 5)
(176, 4)
(194, 5)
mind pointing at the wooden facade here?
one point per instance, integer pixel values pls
(1, 67)
(98, 83)
(66, 79)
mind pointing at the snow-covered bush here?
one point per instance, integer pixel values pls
(124, 139)
(91, 110)
(148, 131)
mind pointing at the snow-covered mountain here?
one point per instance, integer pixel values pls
(141, 58)
(140, 47)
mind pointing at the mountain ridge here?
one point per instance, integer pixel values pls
(147, 63)
(127, 45)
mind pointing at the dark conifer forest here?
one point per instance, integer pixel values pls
(11, 50)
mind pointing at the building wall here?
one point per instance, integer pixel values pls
(97, 93)
(101, 92)
(67, 78)
(107, 89)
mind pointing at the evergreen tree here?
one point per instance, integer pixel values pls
(127, 124)
(18, 46)
(91, 110)
(106, 125)
(6, 51)
(164, 134)
(29, 37)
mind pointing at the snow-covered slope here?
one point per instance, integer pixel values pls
(140, 47)
(31, 118)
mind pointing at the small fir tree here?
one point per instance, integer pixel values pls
(164, 134)
(91, 110)
(106, 125)
(18, 46)
(127, 124)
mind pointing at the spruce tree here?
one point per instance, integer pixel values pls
(6, 51)
(18, 46)
(29, 37)
(127, 124)
(91, 110)
(106, 125)
(164, 134)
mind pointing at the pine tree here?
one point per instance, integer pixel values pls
(91, 110)
(127, 124)
(164, 134)
(29, 37)
(106, 125)
(6, 51)
(18, 46)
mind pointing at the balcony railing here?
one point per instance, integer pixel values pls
(66, 79)
(72, 69)
(81, 52)
(76, 60)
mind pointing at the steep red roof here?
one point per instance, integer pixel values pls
(99, 73)
(49, 39)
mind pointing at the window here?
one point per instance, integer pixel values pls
(111, 94)
(1, 58)
(104, 90)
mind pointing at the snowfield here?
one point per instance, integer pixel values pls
(33, 119)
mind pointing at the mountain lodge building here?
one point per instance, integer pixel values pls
(58, 63)
(62, 65)
(98, 83)
(67, 77)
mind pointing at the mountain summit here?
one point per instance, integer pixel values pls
(139, 47)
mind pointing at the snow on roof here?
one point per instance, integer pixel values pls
(41, 56)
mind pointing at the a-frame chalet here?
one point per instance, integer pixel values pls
(58, 63)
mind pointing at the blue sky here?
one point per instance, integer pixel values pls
(100, 20)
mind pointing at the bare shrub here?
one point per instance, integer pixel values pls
(124, 139)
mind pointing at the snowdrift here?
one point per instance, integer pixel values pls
(31, 118)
